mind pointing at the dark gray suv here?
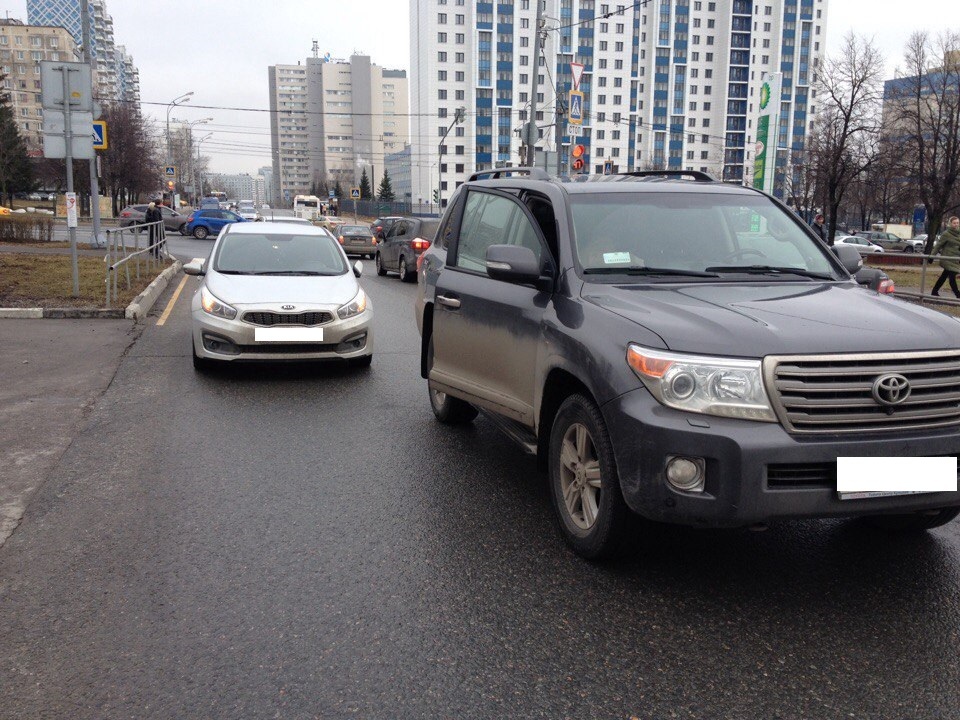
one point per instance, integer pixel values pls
(683, 349)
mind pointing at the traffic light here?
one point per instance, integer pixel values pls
(436, 195)
(578, 152)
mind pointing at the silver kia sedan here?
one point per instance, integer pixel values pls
(278, 291)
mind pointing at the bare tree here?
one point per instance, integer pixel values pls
(847, 124)
(925, 118)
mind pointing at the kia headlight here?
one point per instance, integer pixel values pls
(354, 307)
(214, 306)
(728, 387)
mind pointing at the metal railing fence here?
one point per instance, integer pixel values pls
(130, 257)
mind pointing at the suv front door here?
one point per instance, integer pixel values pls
(487, 333)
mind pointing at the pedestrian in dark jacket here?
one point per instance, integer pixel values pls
(153, 215)
(818, 227)
(948, 244)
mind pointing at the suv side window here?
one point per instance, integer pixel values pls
(492, 220)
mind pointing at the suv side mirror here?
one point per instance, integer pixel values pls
(849, 257)
(513, 264)
(358, 268)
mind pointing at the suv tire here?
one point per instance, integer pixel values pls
(584, 486)
(200, 232)
(448, 410)
(381, 270)
(914, 522)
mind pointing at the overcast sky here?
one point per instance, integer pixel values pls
(220, 50)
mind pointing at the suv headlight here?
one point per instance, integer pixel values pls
(214, 306)
(727, 387)
(354, 307)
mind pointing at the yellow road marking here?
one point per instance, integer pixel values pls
(173, 301)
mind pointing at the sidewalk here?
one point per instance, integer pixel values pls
(54, 371)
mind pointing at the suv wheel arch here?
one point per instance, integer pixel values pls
(557, 387)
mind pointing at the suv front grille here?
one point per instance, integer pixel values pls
(273, 318)
(834, 393)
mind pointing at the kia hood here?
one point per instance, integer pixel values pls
(310, 290)
(755, 319)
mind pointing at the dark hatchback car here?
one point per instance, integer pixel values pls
(686, 350)
(403, 245)
(172, 220)
(381, 225)
(357, 240)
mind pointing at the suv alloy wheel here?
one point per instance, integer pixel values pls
(584, 485)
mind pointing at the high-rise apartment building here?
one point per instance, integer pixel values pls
(115, 77)
(668, 84)
(22, 48)
(332, 119)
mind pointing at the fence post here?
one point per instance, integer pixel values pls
(923, 279)
(106, 278)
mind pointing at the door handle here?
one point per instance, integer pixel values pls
(450, 302)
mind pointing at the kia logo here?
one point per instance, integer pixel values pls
(287, 307)
(891, 389)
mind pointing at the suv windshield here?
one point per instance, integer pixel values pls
(248, 254)
(687, 233)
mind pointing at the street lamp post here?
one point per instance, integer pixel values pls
(170, 106)
(457, 119)
(196, 179)
(190, 154)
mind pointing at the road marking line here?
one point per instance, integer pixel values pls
(172, 301)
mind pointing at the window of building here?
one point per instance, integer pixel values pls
(441, 57)
(442, 75)
(441, 94)
(442, 18)
(441, 37)
(459, 19)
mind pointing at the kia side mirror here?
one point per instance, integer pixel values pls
(194, 267)
(358, 268)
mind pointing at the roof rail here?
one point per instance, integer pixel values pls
(696, 175)
(535, 173)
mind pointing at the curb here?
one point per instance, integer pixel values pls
(136, 310)
(143, 303)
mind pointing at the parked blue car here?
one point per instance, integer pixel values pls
(209, 222)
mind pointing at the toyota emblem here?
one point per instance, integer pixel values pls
(288, 307)
(891, 389)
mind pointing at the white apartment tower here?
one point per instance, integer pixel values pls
(668, 84)
(331, 120)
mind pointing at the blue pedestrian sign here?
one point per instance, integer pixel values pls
(355, 193)
(99, 134)
(333, 193)
(575, 101)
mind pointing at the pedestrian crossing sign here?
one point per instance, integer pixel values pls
(355, 193)
(575, 102)
(99, 134)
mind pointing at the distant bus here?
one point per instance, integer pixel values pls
(306, 207)
(221, 196)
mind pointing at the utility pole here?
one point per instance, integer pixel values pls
(558, 127)
(94, 180)
(458, 116)
(531, 127)
(68, 159)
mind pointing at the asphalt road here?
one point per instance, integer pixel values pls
(307, 542)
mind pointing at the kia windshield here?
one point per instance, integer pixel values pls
(250, 254)
(694, 236)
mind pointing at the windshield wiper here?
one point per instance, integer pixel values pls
(237, 272)
(641, 270)
(770, 270)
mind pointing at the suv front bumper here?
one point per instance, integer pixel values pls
(752, 467)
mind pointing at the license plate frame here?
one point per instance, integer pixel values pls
(861, 478)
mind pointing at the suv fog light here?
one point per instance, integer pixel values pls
(686, 474)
